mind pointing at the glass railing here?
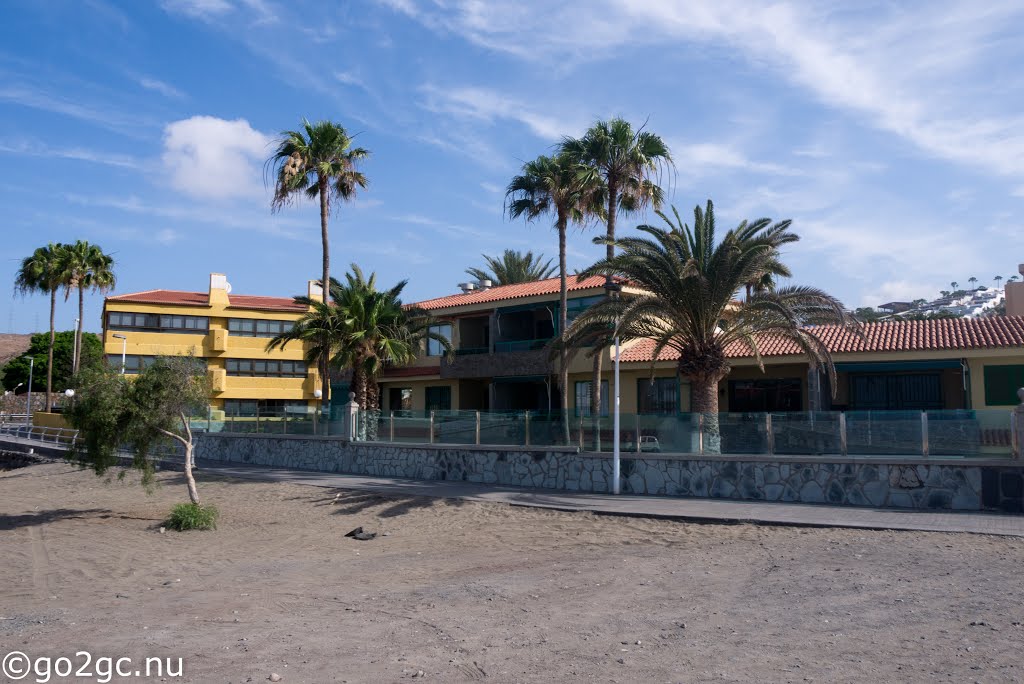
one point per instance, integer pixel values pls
(947, 434)
(521, 345)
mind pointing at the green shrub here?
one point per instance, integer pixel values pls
(190, 516)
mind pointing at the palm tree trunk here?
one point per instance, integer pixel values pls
(595, 397)
(325, 286)
(613, 206)
(49, 357)
(78, 332)
(704, 401)
(563, 319)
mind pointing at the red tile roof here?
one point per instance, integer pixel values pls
(503, 292)
(883, 336)
(180, 298)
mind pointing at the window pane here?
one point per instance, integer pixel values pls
(287, 367)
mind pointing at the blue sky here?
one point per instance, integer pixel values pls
(891, 133)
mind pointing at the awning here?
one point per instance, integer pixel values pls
(897, 366)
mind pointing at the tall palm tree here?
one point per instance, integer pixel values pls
(512, 268)
(689, 305)
(998, 280)
(42, 272)
(625, 160)
(972, 280)
(84, 267)
(954, 285)
(559, 186)
(318, 162)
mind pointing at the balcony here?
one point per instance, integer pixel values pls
(510, 359)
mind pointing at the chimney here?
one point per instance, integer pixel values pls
(220, 288)
(485, 284)
(467, 287)
(314, 291)
(1014, 293)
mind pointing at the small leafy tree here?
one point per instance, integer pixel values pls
(112, 412)
(17, 369)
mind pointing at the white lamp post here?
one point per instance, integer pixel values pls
(124, 349)
(28, 405)
(74, 347)
(613, 290)
(317, 394)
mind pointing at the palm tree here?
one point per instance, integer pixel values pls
(624, 160)
(998, 280)
(320, 329)
(972, 280)
(558, 186)
(1013, 279)
(84, 267)
(42, 272)
(954, 285)
(689, 303)
(513, 267)
(320, 163)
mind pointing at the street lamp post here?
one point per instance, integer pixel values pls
(28, 404)
(124, 349)
(74, 347)
(317, 394)
(613, 290)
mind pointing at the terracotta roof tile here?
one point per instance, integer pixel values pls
(503, 292)
(178, 297)
(884, 336)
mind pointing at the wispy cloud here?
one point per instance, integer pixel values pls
(198, 9)
(34, 148)
(156, 85)
(895, 67)
(487, 106)
(27, 96)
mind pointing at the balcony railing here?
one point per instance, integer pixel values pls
(521, 345)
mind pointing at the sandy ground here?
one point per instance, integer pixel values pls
(469, 591)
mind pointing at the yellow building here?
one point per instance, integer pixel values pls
(229, 332)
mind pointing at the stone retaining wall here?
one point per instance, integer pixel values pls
(936, 486)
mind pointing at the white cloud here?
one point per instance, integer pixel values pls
(34, 98)
(1018, 192)
(348, 78)
(159, 86)
(697, 158)
(213, 158)
(491, 187)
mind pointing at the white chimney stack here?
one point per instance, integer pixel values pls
(467, 287)
(485, 284)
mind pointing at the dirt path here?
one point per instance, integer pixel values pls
(467, 591)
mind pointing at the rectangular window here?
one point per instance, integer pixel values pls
(261, 368)
(134, 363)
(765, 396)
(400, 399)
(157, 322)
(1002, 383)
(434, 347)
(660, 395)
(439, 398)
(583, 398)
(251, 327)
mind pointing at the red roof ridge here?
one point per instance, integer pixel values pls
(515, 291)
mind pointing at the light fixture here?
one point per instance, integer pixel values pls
(69, 393)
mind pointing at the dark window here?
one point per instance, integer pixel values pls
(264, 408)
(134, 363)
(434, 347)
(157, 322)
(261, 368)
(251, 327)
(1002, 383)
(439, 398)
(765, 396)
(895, 391)
(660, 395)
(400, 399)
(583, 398)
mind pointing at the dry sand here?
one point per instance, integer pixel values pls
(463, 591)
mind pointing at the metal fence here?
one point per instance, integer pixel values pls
(39, 433)
(913, 434)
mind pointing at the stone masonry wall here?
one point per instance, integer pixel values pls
(934, 486)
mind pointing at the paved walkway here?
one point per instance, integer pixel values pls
(699, 510)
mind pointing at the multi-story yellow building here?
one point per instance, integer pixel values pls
(229, 332)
